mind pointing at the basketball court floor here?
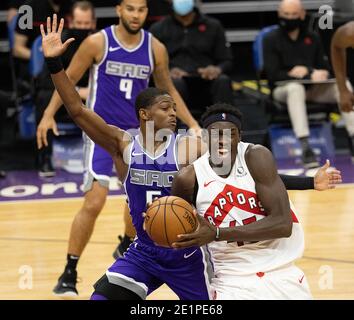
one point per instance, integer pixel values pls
(36, 215)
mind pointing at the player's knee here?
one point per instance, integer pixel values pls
(93, 206)
(103, 288)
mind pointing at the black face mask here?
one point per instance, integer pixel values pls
(289, 25)
(79, 34)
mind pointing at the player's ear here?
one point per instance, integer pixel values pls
(118, 10)
(144, 114)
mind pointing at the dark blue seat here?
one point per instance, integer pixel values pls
(11, 27)
(36, 61)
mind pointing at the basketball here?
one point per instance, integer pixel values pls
(168, 217)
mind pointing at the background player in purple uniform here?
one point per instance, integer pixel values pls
(122, 58)
(147, 169)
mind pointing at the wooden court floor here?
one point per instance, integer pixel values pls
(33, 243)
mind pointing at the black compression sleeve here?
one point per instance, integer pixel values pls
(54, 65)
(297, 183)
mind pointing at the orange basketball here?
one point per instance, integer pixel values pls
(168, 217)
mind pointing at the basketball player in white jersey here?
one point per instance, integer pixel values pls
(251, 230)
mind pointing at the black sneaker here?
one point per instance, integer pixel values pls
(2, 174)
(66, 286)
(46, 169)
(309, 159)
(122, 247)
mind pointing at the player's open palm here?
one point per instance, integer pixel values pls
(51, 40)
(327, 177)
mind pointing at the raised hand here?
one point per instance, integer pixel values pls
(51, 42)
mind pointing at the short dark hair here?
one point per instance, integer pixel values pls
(119, 2)
(147, 97)
(221, 108)
(84, 6)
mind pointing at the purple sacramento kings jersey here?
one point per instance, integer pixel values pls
(149, 177)
(117, 80)
(144, 266)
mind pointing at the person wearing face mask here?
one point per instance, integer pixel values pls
(291, 52)
(82, 23)
(200, 56)
(24, 37)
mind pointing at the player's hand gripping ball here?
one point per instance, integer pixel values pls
(167, 217)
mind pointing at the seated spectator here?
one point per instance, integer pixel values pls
(291, 52)
(200, 57)
(41, 10)
(82, 22)
(24, 37)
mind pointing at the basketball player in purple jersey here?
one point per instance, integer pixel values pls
(121, 58)
(147, 170)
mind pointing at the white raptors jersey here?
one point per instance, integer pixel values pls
(233, 202)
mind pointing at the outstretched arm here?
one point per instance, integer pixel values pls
(325, 178)
(109, 137)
